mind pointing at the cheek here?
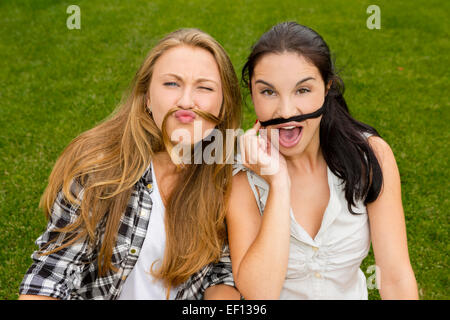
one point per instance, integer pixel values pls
(158, 113)
(311, 103)
(263, 109)
(160, 104)
(311, 126)
(211, 102)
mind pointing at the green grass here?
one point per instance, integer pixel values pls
(56, 83)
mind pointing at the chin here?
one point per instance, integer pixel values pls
(292, 151)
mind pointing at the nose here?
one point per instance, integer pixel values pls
(286, 108)
(186, 100)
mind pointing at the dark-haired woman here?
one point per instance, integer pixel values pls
(336, 188)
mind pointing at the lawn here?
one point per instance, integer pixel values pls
(56, 83)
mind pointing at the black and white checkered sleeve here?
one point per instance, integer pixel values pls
(210, 275)
(221, 272)
(57, 274)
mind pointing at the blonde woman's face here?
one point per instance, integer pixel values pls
(185, 77)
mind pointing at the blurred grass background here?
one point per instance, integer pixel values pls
(56, 83)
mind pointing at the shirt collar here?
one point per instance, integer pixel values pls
(147, 176)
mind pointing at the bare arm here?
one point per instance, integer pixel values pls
(221, 292)
(259, 246)
(388, 230)
(35, 297)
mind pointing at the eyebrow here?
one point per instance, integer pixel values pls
(265, 83)
(272, 86)
(304, 80)
(197, 80)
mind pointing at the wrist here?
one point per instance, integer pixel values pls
(280, 183)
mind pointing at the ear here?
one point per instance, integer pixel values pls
(328, 86)
(147, 102)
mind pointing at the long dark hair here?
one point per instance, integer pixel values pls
(342, 141)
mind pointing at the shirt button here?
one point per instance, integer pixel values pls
(142, 213)
(318, 275)
(123, 278)
(149, 186)
(133, 251)
(315, 249)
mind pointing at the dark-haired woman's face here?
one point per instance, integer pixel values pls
(286, 85)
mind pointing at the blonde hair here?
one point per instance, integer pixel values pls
(109, 159)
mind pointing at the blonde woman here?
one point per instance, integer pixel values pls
(126, 222)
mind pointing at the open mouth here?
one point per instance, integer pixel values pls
(289, 136)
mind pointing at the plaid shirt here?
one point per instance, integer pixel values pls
(72, 272)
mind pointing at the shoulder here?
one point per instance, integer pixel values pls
(244, 194)
(240, 186)
(391, 184)
(378, 144)
(382, 150)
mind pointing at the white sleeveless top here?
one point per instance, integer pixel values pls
(328, 266)
(140, 284)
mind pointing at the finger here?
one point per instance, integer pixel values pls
(274, 142)
(263, 137)
(245, 140)
(254, 130)
(268, 147)
(263, 155)
(257, 126)
(262, 145)
(242, 148)
(250, 132)
(253, 156)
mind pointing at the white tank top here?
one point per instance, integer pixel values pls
(328, 266)
(140, 284)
